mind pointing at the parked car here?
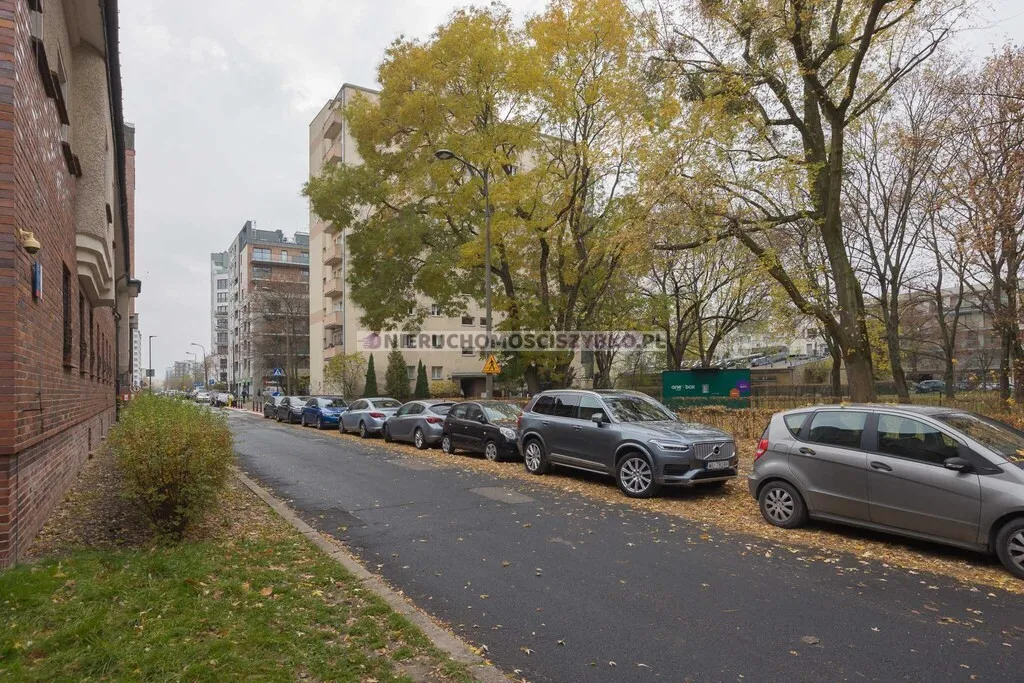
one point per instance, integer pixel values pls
(488, 427)
(930, 386)
(221, 398)
(202, 397)
(290, 409)
(323, 411)
(627, 435)
(271, 405)
(418, 422)
(367, 415)
(932, 473)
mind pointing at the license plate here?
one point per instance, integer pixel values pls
(718, 465)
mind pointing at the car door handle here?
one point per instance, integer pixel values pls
(881, 466)
(576, 428)
(807, 451)
(546, 423)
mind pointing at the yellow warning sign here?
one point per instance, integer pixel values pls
(491, 367)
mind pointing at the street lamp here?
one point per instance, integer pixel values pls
(206, 376)
(151, 364)
(448, 155)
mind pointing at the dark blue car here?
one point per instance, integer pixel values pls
(323, 411)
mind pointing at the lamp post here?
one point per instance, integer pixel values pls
(194, 361)
(206, 376)
(484, 175)
(151, 364)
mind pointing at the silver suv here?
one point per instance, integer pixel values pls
(625, 434)
(933, 473)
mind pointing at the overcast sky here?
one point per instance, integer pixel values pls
(222, 92)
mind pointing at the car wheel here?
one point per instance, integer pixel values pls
(491, 451)
(320, 422)
(446, 445)
(781, 505)
(419, 439)
(302, 420)
(362, 431)
(1010, 546)
(534, 458)
(386, 433)
(635, 476)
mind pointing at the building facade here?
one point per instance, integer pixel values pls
(334, 319)
(220, 279)
(267, 299)
(66, 278)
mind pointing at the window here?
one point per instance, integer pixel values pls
(408, 341)
(410, 370)
(358, 405)
(1001, 438)
(467, 320)
(260, 273)
(474, 413)
(222, 297)
(222, 283)
(416, 408)
(467, 350)
(82, 350)
(565, 405)
(284, 256)
(303, 276)
(906, 437)
(386, 403)
(837, 428)
(224, 363)
(303, 257)
(794, 423)
(502, 412)
(545, 405)
(459, 411)
(589, 406)
(437, 340)
(222, 337)
(261, 254)
(222, 310)
(637, 409)
(483, 322)
(404, 410)
(436, 371)
(66, 294)
(435, 310)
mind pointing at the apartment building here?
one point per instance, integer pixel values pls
(333, 317)
(66, 270)
(263, 280)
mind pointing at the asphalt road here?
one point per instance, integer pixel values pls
(561, 587)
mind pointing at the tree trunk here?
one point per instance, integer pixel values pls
(949, 376)
(836, 375)
(892, 341)
(532, 379)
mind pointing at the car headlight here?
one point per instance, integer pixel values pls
(508, 433)
(675, 446)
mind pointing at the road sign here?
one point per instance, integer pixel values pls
(197, 385)
(278, 372)
(491, 367)
(211, 381)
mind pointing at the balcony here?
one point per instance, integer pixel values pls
(334, 287)
(332, 254)
(334, 320)
(334, 124)
(332, 350)
(334, 155)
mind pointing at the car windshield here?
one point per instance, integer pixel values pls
(637, 409)
(331, 402)
(1001, 438)
(298, 398)
(386, 403)
(501, 412)
(441, 408)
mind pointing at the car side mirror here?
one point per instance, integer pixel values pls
(958, 465)
(482, 419)
(598, 419)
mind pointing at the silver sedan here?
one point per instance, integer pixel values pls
(367, 415)
(419, 422)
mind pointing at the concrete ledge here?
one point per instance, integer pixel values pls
(448, 643)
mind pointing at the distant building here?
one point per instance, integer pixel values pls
(259, 264)
(802, 339)
(220, 291)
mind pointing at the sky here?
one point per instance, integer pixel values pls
(221, 93)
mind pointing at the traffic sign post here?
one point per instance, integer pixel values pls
(491, 367)
(277, 372)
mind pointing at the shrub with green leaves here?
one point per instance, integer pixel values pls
(175, 457)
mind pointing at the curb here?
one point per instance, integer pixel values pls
(444, 641)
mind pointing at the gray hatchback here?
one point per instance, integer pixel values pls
(625, 434)
(933, 473)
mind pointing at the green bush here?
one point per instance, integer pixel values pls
(175, 457)
(444, 388)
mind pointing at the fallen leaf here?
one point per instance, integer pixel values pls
(811, 640)
(266, 591)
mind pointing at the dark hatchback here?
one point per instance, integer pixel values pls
(271, 406)
(488, 427)
(290, 409)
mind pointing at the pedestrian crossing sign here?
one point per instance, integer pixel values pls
(491, 367)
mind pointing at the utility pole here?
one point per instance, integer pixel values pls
(151, 364)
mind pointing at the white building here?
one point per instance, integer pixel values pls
(138, 369)
(219, 292)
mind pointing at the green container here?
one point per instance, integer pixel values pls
(705, 387)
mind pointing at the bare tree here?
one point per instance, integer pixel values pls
(278, 319)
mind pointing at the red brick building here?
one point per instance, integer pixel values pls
(65, 251)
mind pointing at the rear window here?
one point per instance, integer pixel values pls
(795, 422)
(837, 428)
(545, 405)
(331, 402)
(387, 403)
(441, 408)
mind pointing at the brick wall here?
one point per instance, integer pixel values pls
(50, 403)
